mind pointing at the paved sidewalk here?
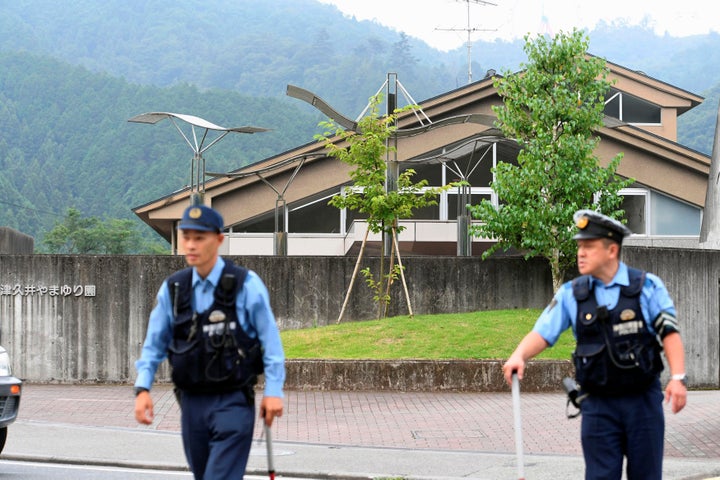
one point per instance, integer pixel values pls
(354, 435)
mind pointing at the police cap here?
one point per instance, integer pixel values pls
(202, 218)
(596, 225)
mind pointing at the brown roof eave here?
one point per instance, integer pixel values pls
(659, 146)
(444, 105)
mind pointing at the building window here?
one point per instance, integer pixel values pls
(635, 205)
(651, 213)
(264, 223)
(314, 216)
(456, 206)
(631, 109)
(673, 217)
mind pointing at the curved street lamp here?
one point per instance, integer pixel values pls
(280, 247)
(197, 168)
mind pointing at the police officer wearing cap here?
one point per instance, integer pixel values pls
(622, 319)
(214, 323)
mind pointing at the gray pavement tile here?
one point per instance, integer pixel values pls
(330, 434)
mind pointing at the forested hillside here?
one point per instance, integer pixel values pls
(65, 139)
(72, 73)
(250, 46)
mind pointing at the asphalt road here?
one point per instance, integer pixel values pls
(344, 435)
(10, 469)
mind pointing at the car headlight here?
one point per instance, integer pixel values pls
(5, 369)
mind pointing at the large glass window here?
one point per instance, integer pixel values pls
(314, 217)
(261, 224)
(651, 213)
(456, 206)
(631, 109)
(647, 213)
(429, 212)
(673, 217)
(635, 205)
(430, 172)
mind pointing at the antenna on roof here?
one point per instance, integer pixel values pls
(469, 31)
(545, 27)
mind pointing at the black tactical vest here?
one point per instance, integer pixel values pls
(616, 353)
(209, 351)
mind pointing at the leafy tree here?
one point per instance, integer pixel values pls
(76, 234)
(552, 109)
(72, 235)
(369, 194)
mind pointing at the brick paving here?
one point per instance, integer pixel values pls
(479, 422)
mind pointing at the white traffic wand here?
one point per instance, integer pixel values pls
(518, 425)
(268, 443)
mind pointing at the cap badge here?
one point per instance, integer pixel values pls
(582, 222)
(195, 213)
(627, 314)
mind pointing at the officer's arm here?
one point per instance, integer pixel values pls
(675, 392)
(552, 322)
(529, 347)
(157, 339)
(662, 310)
(144, 411)
(262, 320)
(154, 351)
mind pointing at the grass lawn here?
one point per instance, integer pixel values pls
(473, 335)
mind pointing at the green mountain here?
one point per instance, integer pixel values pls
(65, 139)
(73, 72)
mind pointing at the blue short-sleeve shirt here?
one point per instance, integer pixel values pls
(254, 313)
(561, 313)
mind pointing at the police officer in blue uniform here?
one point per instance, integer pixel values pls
(214, 323)
(622, 319)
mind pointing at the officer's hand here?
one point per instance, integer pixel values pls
(676, 395)
(270, 408)
(144, 408)
(513, 364)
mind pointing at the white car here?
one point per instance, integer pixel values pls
(10, 390)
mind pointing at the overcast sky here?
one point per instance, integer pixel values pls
(443, 24)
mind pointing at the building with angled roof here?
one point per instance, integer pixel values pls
(280, 204)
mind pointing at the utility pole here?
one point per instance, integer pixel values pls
(469, 30)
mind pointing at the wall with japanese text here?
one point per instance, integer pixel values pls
(67, 318)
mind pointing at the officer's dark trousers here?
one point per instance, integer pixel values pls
(217, 434)
(631, 426)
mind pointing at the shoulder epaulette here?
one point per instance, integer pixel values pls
(581, 288)
(231, 282)
(179, 284)
(636, 282)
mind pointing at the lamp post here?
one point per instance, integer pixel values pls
(464, 247)
(197, 145)
(280, 247)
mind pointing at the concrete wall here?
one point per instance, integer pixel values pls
(421, 375)
(693, 279)
(83, 318)
(12, 241)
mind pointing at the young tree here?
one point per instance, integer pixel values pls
(552, 108)
(368, 153)
(76, 234)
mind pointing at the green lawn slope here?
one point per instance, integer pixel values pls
(473, 335)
